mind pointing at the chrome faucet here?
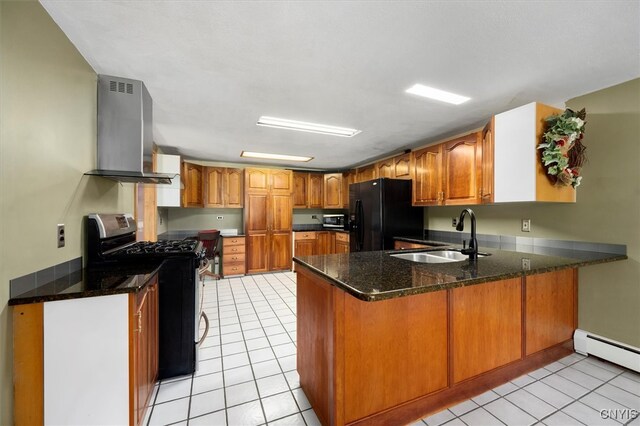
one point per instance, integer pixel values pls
(472, 251)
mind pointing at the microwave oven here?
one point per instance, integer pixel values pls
(334, 220)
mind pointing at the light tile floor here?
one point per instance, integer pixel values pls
(247, 374)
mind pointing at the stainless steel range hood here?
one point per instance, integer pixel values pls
(125, 134)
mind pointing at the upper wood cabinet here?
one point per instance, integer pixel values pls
(214, 186)
(347, 179)
(192, 185)
(307, 190)
(486, 188)
(402, 166)
(426, 165)
(300, 190)
(518, 171)
(385, 168)
(366, 173)
(223, 187)
(462, 170)
(333, 191)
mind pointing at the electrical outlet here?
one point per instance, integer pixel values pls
(314, 216)
(526, 264)
(526, 225)
(454, 221)
(60, 235)
(219, 217)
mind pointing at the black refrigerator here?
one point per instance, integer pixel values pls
(380, 210)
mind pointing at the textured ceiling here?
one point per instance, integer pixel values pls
(213, 68)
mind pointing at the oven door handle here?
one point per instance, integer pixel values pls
(206, 328)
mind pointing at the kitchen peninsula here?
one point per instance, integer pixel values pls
(383, 340)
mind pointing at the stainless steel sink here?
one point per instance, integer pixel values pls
(437, 256)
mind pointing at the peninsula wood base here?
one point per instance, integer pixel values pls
(394, 361)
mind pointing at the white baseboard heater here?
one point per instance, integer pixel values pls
(587, 343)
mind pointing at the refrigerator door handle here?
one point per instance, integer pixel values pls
(360, 219)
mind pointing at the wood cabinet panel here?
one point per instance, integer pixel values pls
(281, 181)
(389, 336)
(426, 167)
(347, 179)
(192, 182)
(385, 168)
(326, 242)
(300, 191)
(305, 247)
(280, 254)
(214, 186)
(342, 247)
(486, 190)
(366, 173)
(234, 187)
(462, 170)
(256, 213)
(551, 307)
(256, 180)
(281, 212)
(305, 235)
(316, 187)
(28, 364)
(257, 252)
(486, 327)
(333, 191)
(402, 166)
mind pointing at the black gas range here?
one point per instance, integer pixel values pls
(111, 243)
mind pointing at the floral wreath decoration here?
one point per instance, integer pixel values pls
(563, 153)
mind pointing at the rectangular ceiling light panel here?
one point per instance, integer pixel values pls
(283, 123)
(439, 95)
(266, 156)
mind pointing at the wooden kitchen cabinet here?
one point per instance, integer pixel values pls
(45, 333)
(326, 242)
(385, 168)
(366, 173)
(234, 187)
(462, 170)
(486, 188)
(402, 166)
(333, 191)
(304, 244)
(347, 179)
(268, 219)
(233, 255)
(342, 242)
(223, 187)
(307, 190)
(300, 190)
(426, 165)
(192, 182)
(144, 328)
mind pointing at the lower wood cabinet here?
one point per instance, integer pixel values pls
(96, 358)
(342, 242)
(233, 255)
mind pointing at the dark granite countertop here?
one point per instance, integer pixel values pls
(91, 282)
(375, 275)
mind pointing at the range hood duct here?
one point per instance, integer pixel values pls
(125, 134)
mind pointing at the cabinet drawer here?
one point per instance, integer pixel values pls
(342, 236)
(232, 241)
(232, 258)
(310, 235)
(233, 268)
(228, 250)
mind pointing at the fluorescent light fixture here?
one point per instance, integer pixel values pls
(439, 95)
(266, 156)
(283, 123)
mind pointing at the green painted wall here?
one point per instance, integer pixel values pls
(180, 219)
(607, 211)
(47, 142)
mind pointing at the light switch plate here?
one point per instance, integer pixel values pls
(526, 225)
